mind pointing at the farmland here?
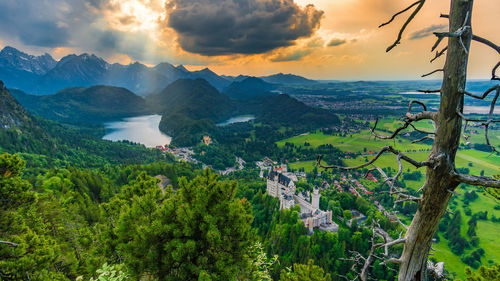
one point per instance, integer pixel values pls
(477, 162)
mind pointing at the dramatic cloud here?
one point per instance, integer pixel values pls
(105, 27)
(336, 42)
(223, 27)
(35, 23)
(291, 56)
(428, 31)
(316, 42)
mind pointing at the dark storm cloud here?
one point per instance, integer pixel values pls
(428, 31)
(34, 23)
(67, 23)
(222, 27)
(336, 42)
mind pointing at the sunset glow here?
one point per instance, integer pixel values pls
(330, 40)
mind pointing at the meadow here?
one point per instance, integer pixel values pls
(478, 162)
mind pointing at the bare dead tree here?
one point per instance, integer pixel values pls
(9, 243)
(380, 239)
(442, 177)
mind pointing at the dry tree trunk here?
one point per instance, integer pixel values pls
(441, 177)
(439, 181)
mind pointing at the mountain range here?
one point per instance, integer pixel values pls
(43, 75)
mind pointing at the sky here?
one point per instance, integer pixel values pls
(319, 39)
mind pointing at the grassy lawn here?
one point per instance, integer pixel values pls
(307, 165)
(354, 143)
(452, 263)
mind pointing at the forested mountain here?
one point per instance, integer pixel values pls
(283, 109)
(189, 109)
(290, 79)
(197, 98)
(84, 106)
(249, 88)
(49, 144)
(11, 113)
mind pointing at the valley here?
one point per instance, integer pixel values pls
(108, 145)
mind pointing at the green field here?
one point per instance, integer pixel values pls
(354, 143)
(475, 161)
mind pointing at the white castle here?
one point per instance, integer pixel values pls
(282, 187)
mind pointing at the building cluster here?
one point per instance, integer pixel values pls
(240, 164)
(181, 153)
(282, 187)
(206, 140)
(270, 165)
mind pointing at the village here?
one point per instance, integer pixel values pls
(281, 184)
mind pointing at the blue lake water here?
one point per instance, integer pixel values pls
(237, 119)
(140, 129)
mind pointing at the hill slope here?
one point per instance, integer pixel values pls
(11, 113)
(196, 98)
(83, 106)
(291, 79)
(189, 109)
(286, 110)
(249, 88)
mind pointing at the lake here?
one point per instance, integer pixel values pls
(237, 119)
(140, 129)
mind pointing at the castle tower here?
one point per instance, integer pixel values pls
(315, 199)
(309, 225)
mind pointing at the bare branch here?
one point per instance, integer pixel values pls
(388, 148)
(409, 118)
(438, 41)
(436, 270)
(419, 5)
(430, 91)
(439, 54)
(432, 72)
(486, 127)
(466, 137)
(486, 123)
(421, 131)
(400, 169)
(423, 139)
(9, 243)
(391, 260)
(493, 72)
(475, 120)
(457, 34)
(410, 105)
(486, 42)
(399, 13)
(485, 94)
(454, 192)
(444, 16)
(494, 47)
(476, 180)
(401, 195)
